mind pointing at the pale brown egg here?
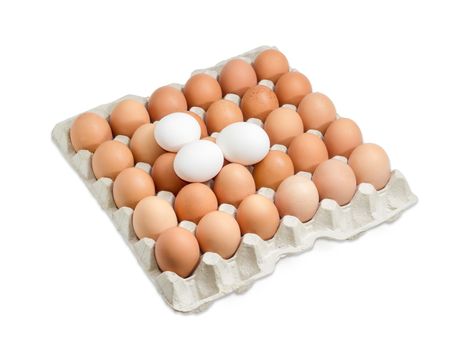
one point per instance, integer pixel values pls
(282, 125)
(144, 146)
(307, 151)
(153, 215)
(177, 250)
(258, 102)
(370, 164)
(236, 77)
(292, 87)
(257, 214)
(110, 158)
(218, 232)
(164, 176)
(297, 195)
(222, 113)
(88, 131)
(127, 116)
(317, 111)
(271, 65)
(334, 179)
(233, 183)
(342, 137)
(194, 201)
(131, 186)
(272, 170)
(204, 130)
(212, 139)
(164, 101)
(201, 90)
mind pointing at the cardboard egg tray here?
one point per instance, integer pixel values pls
(215, 277)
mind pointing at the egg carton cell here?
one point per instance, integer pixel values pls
(255, 258)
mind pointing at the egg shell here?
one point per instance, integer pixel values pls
(236, 77)
(203, 129)
(317, 111)
(176, 130)
(201, 90)
(164, 101)
(307, 151)
(88, 131)
(221, 114)
(270, 65)
(131, 186)
(194, 201)
(342, 137)
(110, 158)
(153, 215)
(258, 101)
(292, 87)
(272, 170)
(282, 125)
(233, 183)
(144, 146)
(164, 176)
(127, 116)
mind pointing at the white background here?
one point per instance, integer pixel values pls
(67, 281)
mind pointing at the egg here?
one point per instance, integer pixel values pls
(144, 146)
(257, 214)
(201, 90)
(222, 113)
(203, 129)
(271, 65)
(307, 151)
(164, 101)
(110, 158)
(177, 250)
(176, 130)
(131, 186)
(243, 143)
(272, 170)
(317, 111)
(236, 77)
(233, 183)
(258, 101)
(334, 179)
(88, 131)
(164, 176)
(297, 196)
(127, 116)
(218, 232)
(194, 201)
(370, 164)
(282, 125)
(153, 215)
(292, 87)
(198, 161)
(342, 137)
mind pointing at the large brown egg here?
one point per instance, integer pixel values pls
(292, 87)
(222, 113)
(144, 146)
(236, 77)
(127, 116)
(282, 125)
(204, 130)
(194, 201)
(271, 65)
(257, 214)
(131, 186)
(272, 170)
(233, 183)
(201, 90)
(307, 151)
(164, 176)
(164, 101)
(177, 250)
(317, 111)
(88, 131)
(258, 102)
(110, 158)
(342, 137)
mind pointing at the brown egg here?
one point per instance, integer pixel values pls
(88, 131)
(222, 113)
(131, 186)
(194, 201)
(271, 65)
(201, 90)
(153, 215)
(236, 77)
(292, 87)
(257, 214)
(342, 137)
(317, 111)
(272, 170)
(164, 176)
(218, 232)
(177, 250)
(164, 101)
(297, 195)
(127, 116)
(258, 102)
(144, 146)
(204, 130)
(282, 125)
(334, 179)
(307, 151)
(233, 183)
(370, 164)
(110, 158)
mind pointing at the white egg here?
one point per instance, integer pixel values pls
(243, 143)
(198, 161)
(176, 130)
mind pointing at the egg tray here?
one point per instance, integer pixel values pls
(255, 258)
